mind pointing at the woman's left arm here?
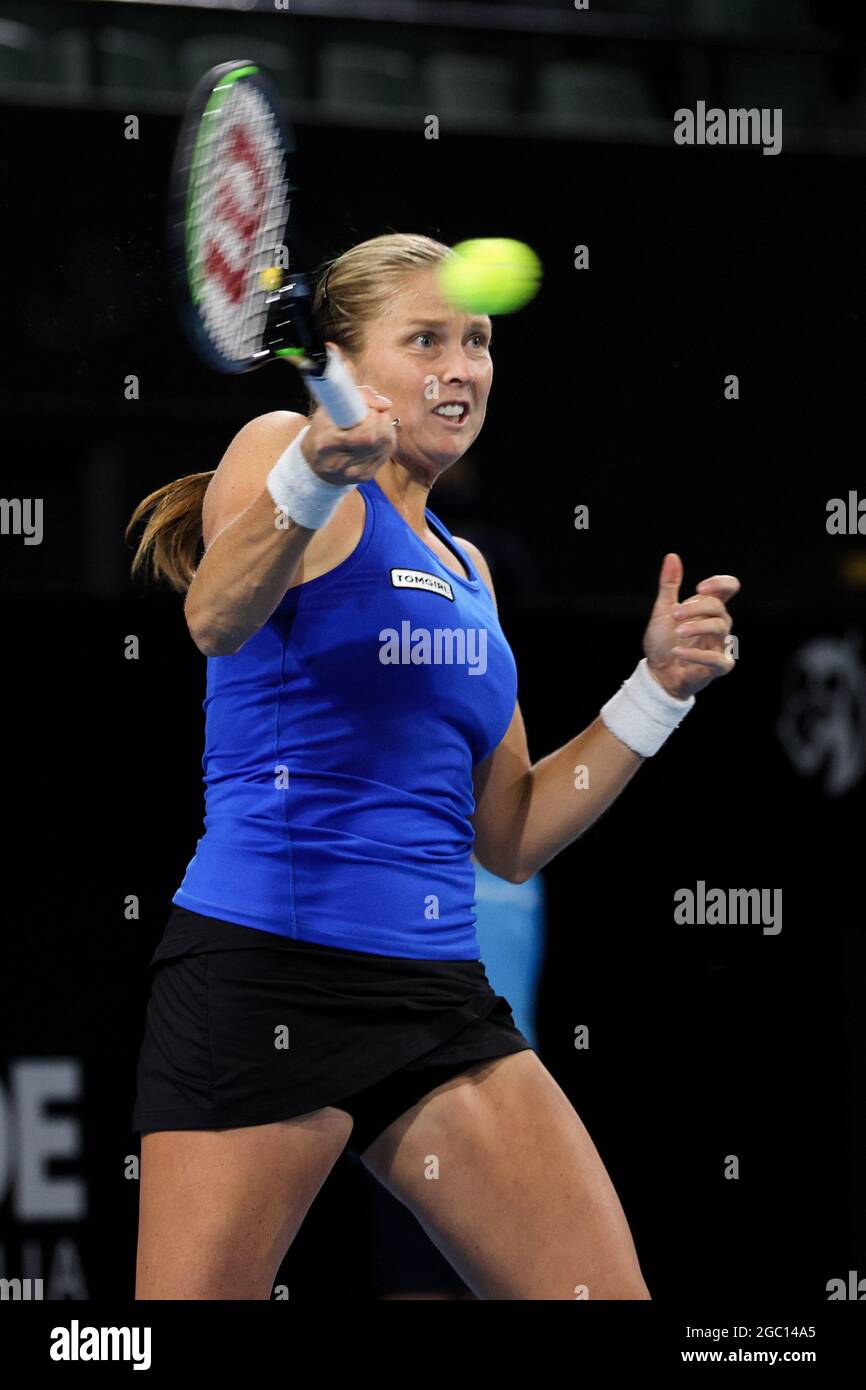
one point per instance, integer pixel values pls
(526, 813)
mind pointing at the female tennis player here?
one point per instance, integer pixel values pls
(318, 982)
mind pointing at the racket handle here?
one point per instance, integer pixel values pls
(335, 389)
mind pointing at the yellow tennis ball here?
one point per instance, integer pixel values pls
(270, 278)
(490, 275)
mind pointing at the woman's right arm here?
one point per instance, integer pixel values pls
(252, 552)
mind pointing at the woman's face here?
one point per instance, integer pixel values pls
(422, 353)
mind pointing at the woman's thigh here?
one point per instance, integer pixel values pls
(499, 1170)
(218, 1209)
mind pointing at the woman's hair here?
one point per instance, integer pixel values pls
(350, 292)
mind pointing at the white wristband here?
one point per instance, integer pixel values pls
(642, 714)
(308, 500)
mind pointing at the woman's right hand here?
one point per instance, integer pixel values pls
(343, 456)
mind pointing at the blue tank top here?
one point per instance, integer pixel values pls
(339, 747)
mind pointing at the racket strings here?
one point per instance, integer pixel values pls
(236, 216)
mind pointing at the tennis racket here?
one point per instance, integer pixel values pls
(229, 229)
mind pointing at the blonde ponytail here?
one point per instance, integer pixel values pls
(169, 544)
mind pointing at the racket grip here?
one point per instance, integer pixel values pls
(335, 389)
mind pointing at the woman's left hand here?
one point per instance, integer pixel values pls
(686, 644)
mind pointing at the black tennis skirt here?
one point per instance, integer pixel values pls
(245, 1027)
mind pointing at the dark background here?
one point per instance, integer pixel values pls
(608, 391)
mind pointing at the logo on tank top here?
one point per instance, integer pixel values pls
(420, 579)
